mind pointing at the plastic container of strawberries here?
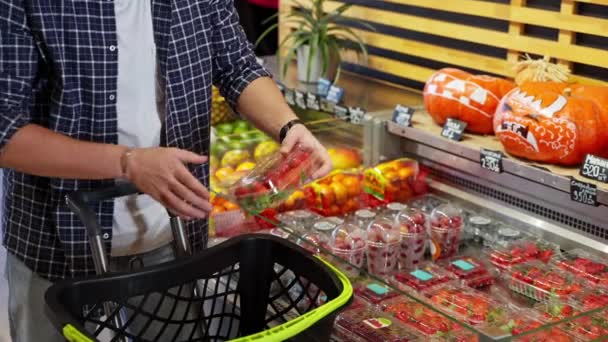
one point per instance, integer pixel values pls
(518, 321)
(348, 242)
(447, 227)
(424, 277)
(592, 298)
(272, 180)
(506, 255)
(593, 327)
(366, 324)
(468, 305)
(391, 181)
(583, 264)
(420, 317)
(373, 291)
(471, 271)
(540, 281)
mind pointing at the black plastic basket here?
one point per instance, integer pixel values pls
(250, 288)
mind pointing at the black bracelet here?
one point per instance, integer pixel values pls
(286, 128)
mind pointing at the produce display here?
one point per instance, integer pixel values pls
(446, 231)
(556, 310)
(584, 265)
(348, 242)
(391, 181)
(550, 335)
(337, 194)
(424, 277)
(519, 323)
(470, 270)
(220, 110)
(593, 298)
(540, 281)
(383, 243)
(420, 317)
(374, 292)
(503, 256)
(373, 326)
(558, 123)
(453, 93)
(469, 305)
(272, 180)
(590, 327)
(413, 225)
(344, 158)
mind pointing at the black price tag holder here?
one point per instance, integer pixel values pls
(403, 115)
(453, 129)
(491, 160)
(582, 192)
(595, 168)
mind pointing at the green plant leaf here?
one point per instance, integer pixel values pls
(267, 20)
(265, 33)
(351, 35)
(292, 50)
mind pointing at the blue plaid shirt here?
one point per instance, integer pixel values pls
(58, 69)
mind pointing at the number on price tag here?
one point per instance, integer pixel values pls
(335, 94)
(341, 112)
(312, 101)
(595, 168)
(290, 97)
(491, 160)
(582, 192)
(323, 87)
(453, 129)
(326, 105)
(403, 115)
(300, 99)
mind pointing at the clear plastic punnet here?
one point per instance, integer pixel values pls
(506, 255)
(592, 298)
(272, 180)
(446, 231)
(413, 226)
(349, 242)
(424, 277)
(383, 243)
(366, 324)
(589, 328)
(540, 281)
(374, 292)
(470, 270)
(585, 265)
(468, 305)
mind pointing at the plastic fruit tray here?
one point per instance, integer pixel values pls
(519, 321)
(584, 265)
(372, 326)
(550, 335)
(593, 298)
(471, 271)
(446, 230)
(391, 181)
(413, 226)
(424, 277)
(348, 242)
(589, 328)
(420, 317)
(383, 244)
(338, 193)
(506, 255)
(374, 292)
(540, 281)
(467, 304)
(557, 310)
(272, 180)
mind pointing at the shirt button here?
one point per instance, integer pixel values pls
(112, 48)
(112, 97)
(106, 236)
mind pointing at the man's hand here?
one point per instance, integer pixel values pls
(162, 174)
(299, 134)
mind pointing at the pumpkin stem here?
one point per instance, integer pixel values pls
(540, 70)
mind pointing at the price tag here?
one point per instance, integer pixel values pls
(341, 112)
(491, 160)
(300, 99)
(403, 115)
(453, 129)
(323, 87)
(356, 114)
(582, 192)
(335, 94)
(326, 105)
(312, 101)
(290, 97)
(595, 168)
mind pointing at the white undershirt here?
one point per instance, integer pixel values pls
(140, 224)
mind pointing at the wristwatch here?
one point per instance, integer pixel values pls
(286, 128)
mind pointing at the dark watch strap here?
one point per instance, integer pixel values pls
(286, 128)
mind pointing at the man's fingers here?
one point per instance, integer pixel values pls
(288, 144)
(186, 178)
(189, 157)
(178, 205)
(181, 191)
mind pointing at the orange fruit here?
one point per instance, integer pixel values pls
(405, 173)
(339, 177)
(352, 185)
(230, 206)
(328, 198)
(340, 191)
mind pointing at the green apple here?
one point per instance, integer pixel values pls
(242, 125)
(225, 129)
(237, 145)
(219, 148)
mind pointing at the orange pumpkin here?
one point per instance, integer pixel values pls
(453, 93)
(553, 122)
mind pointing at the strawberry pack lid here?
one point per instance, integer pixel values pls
(383, 231)
(474, 307)
(371, 325)
(585, 265)
(348, 236)
(445, 217)
(424, 277)
(272, 180)
(411, 221)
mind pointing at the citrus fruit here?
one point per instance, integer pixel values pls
(264, 149)
(340, 192)
(223, 173)
(245, 166)
(235, 157)
(353, 185)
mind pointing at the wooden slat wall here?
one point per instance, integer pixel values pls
(413, 38)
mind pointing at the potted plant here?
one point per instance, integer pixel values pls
(317, 40)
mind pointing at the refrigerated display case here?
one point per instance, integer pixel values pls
(510, 219)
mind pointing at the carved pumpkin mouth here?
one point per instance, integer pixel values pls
(521, 131)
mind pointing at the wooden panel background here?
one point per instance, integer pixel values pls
(413, 38)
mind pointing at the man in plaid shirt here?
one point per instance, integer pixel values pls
(84, 88)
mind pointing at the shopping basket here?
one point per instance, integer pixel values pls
(250, 288)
